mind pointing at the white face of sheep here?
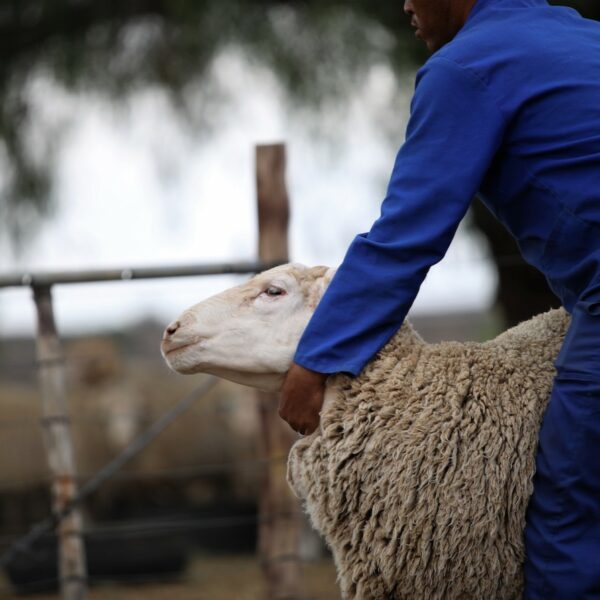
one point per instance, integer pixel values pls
(249, 333)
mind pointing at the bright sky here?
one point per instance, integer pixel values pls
(137, 187)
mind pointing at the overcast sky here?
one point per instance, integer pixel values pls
(137, 187)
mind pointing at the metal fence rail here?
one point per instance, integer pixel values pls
(40, 279)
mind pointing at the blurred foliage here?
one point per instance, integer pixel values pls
(316, 48)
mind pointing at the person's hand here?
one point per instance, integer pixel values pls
(302, 398)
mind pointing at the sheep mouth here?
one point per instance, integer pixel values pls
(178, 348)
(169, 351)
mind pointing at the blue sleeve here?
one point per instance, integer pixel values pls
(455, 128)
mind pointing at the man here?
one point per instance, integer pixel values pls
(507, 106)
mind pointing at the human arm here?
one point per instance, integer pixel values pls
(453, 134)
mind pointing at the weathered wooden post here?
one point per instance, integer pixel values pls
(279, 525)
(57, 438)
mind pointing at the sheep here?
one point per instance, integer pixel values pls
(419, 475)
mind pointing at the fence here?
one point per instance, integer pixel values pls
(278, 518)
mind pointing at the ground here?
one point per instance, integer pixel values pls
(212, 578)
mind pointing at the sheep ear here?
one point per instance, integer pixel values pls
(329, 275)
(325, 280)
(323, 277)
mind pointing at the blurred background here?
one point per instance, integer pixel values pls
(127, 134)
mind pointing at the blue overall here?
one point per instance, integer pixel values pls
(510, 108)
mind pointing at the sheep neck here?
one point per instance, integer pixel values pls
(404, 347)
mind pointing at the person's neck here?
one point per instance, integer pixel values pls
(466, 8)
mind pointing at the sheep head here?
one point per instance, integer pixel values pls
(249, 333)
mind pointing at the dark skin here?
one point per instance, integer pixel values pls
(436, 22)
(301, 398)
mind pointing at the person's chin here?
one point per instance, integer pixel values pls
(432, 44)
(425, 39)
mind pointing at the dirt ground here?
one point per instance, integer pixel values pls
(210, 578)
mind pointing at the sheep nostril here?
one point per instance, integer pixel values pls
(172, 328)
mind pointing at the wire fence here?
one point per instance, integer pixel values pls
(91, 485)
(139, 529)
(172, 473)
(90, 419)
(20, 544)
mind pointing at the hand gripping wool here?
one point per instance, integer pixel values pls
(421, 471)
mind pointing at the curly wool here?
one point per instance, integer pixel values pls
(420, 474)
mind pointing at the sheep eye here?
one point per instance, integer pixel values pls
(274, 291)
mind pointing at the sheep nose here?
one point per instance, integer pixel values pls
(171, 329)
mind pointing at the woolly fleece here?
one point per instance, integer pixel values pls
(420, 473)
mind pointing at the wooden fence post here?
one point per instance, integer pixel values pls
(279, 525)
(57, 438)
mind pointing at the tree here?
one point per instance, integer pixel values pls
(114, 48)
(317, 48)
